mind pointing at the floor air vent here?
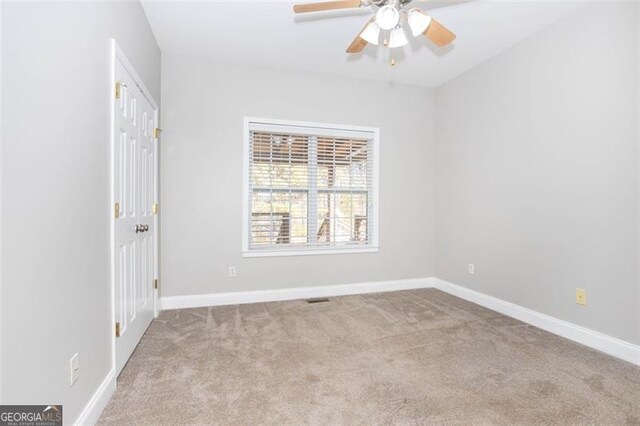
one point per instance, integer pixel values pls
(318, 300)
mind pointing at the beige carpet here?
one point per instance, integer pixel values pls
(409, 357)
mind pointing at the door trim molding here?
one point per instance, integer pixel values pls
(98, 401)
(112, 229)
(118, 53)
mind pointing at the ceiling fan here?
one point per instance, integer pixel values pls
(388, 25)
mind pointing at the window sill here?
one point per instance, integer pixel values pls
(308, 252)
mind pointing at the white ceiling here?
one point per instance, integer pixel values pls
(268, 34)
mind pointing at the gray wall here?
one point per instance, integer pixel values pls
(201, 200)
(55, 192)
(537, 172)
(1, 376)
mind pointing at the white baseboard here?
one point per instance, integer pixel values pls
(607, 344)
(241, 297)
(602, 342)
(98, 401)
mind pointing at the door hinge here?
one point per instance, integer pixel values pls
(155, 283)
(156, 132)
(117, 210)
(155, 208)
(119, 85)
(117, 329)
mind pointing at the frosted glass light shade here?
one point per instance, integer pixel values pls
(418, 21)
(371, 33)
(387, 17)
(397, 38)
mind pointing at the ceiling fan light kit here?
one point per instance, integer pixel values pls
(390, 21)
(397, 38)
(418, 22)
(388, 17)
(371, 33)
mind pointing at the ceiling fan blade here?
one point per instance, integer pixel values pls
(328, 5)
(356, 45)
(359, 43)
(439, 34)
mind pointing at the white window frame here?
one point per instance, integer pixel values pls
(337, 130)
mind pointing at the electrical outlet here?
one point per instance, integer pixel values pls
(472, 269)
(232, 271)
(581, 296)
(73, 369)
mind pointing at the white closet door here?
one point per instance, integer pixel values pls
(134, 193)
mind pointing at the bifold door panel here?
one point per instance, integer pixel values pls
(135, 180)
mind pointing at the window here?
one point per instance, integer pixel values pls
(309, 188)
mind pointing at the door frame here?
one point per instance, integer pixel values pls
(117, 54)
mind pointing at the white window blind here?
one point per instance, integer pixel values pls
(310, 188)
